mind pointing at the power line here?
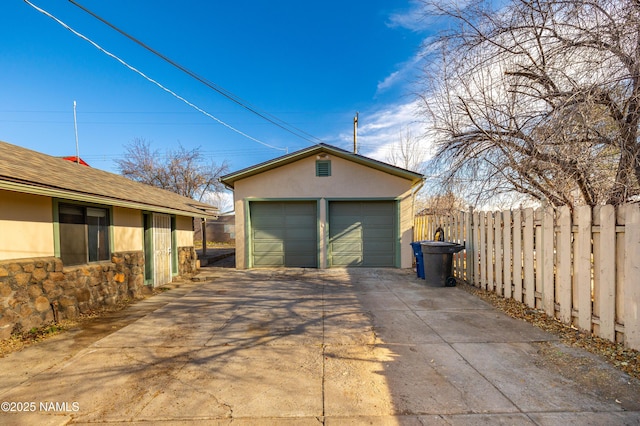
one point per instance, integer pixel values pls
(132, 68)
(224, 92)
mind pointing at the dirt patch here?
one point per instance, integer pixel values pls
(588, 371)
(621, 358)
(18, 341)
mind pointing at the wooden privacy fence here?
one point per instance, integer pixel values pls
(581, 267)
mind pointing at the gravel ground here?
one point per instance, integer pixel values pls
(624, 359)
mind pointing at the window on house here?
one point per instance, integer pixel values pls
(323, 168)
(84, 234)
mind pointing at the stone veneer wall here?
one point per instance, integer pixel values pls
(36, 292)
(187, 258)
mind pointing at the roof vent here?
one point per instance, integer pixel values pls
(323, 168)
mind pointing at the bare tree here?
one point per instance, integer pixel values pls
(541, 97)
(408, 152)
(181, 171)
(440, 204)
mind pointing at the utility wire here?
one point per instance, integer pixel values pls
(232, 97)
(197, 108)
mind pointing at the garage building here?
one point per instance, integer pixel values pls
(323, 207)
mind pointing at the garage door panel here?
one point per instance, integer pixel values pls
(284, 233)
(347, 247)
(268, 260)
(269, 234)
(348, 217)
(347, 260)
(299, 207)
(362, 233)
(268, 246)
(298, 261)
(378, 261)
(300, 246)
(300, 221)
(379, 221)
(378, 246)
(346, 234)
(380, 207)
(267, 209)
(378, 234)
(268, 222)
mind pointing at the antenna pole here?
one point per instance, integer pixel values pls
(355, 134)
(75, 125)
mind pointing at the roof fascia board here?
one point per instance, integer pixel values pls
(70, 195)
(268, 165)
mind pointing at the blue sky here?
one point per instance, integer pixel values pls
(311, 64)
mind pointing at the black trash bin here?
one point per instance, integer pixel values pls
(437, 258)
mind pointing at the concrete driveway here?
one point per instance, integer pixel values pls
(292, 346)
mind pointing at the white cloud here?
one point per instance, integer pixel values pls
(407, 71)
(404, 75)
(381, 130)
(222, 200)
(414, 19)
(388, 82)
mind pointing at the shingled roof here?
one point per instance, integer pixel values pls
(32, 172)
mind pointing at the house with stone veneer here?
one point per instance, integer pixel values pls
(74, 238)
(323, 207)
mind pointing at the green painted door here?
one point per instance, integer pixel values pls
(284, 234)
(362, 233)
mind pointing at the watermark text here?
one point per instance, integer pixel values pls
(42, 406)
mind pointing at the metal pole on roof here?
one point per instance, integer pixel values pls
(355, 134)
(75, 125)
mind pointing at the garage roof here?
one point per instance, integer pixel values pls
(32, 172)
(230, 179)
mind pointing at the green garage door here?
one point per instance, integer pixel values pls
(362, 233)
(284, 234)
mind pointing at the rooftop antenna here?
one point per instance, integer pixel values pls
(75, 125)
(355, 134)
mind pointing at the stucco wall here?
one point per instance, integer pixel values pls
(26, 226)
(184, 231)
(348, 180)
(128, 234)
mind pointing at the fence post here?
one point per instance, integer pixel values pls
(491, 234)
(469, 245)
(547, 264)
(632, 272)
(528, 247)
(499, 257)
(507, 248)
(477, 250)
(563, 282)
(482, 223)
(517, 255)
(582, 266)
(606, 273)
